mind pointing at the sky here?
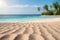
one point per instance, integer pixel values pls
(23, 6)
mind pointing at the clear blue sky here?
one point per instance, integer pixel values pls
(32, 2)
(24, 6)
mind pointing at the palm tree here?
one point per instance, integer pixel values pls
(59, 7)
(51, 7)
(38, 8)
(55, 5)
(45, 7)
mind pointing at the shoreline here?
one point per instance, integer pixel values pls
(29, 21)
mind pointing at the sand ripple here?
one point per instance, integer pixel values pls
(29, 31)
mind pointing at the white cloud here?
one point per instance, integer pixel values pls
(18, 6)
(21, 6)
(11, 9)
(4, 5)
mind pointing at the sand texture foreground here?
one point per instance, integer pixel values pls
(30, 31)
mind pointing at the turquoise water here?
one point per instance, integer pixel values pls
(24, 17)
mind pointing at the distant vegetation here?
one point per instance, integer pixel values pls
(53, 9)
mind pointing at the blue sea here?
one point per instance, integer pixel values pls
(25, 17)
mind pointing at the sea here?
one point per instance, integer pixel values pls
(25, 17)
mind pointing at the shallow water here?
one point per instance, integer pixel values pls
(24, 17)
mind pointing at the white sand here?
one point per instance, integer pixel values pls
(31, 30)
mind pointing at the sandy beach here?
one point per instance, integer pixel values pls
(31, 30)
